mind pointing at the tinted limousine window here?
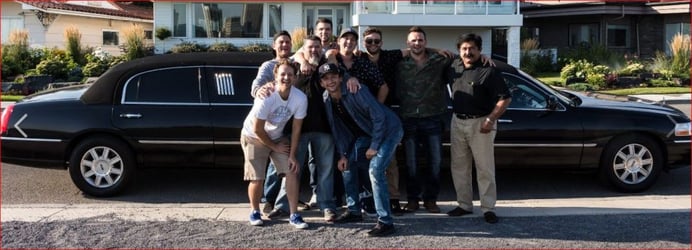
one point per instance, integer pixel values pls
(169, 85)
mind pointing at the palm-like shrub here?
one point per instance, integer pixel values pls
(680, 49)
(74, 44)
(134, 45)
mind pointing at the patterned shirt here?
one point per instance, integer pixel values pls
(422, 91)
(366, 72)
(387, 65)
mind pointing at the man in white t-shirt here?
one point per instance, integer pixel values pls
(262, 139)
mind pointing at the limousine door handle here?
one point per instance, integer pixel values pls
(131, 116)
(504, 121)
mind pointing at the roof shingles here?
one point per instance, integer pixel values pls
(127, 9)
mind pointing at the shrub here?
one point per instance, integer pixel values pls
(529, 44)
(632, 69)
(580, 87)
(257, 47)
(188, 47)
(222, 47)
(16, 56)
(95, 65)
(662, 83)
(576, 69)
(134, 45)
(298, 36)
(74, 44)
(56, 67)
(596, 80)
(591, 53)
(536, 63)
(162, 33)
(680, 49)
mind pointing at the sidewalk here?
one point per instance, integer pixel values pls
(239, 211)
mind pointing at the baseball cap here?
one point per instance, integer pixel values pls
(347, 31)
(328, 68)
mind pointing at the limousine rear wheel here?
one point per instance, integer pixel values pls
(632, 163)
(101, 166)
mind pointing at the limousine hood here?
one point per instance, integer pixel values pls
(632, 106)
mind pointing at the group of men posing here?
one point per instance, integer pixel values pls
(334, 120)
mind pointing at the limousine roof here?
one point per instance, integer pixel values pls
(103, 90)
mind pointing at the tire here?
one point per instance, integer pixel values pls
(631, 163)
(102, 166)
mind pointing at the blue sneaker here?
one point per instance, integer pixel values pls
(256, 218)
(297, 221)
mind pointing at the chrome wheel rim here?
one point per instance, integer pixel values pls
(633, 163)
(101, 167)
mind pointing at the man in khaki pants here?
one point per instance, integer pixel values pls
(480, 97)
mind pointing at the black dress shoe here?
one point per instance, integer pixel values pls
(490, 217)
(381, 229)
(348, 217)
(277, 213)
(458, 212)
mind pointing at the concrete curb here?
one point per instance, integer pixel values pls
(240, 211)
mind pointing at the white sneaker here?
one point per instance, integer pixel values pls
(313, 201)
(256, 218)
(297, 221)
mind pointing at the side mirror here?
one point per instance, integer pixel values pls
(553, 103)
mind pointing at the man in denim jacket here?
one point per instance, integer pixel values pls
(361, 126)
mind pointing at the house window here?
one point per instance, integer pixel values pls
(274, 19)
(10, 24)
(583, 34)
(179, 20)
(215, 20)
(148, 34)
(110, 37)
(618, 36)
(419, 1)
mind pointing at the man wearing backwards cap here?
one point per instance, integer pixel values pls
(365, 132)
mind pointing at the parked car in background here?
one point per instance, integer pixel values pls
(186, 110)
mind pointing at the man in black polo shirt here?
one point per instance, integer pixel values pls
(480, 96)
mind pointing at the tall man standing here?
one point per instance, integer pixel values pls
(480, 97)
(421, 88)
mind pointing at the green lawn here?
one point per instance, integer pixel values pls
(11, 98)
(644, 91)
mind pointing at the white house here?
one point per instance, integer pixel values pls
(241, 23)
(99, 22)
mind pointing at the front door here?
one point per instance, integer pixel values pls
(338, 14)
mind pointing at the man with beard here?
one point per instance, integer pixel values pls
(421, 89)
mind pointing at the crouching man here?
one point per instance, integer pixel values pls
(358, 122)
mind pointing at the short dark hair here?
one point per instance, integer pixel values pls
(419, 30)
(324, 20)
(470, 37)
(371, 30)
(314, 38)
(281, 33)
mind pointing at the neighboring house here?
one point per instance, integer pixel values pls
(636, 27)
(241, 23)
(99, 22)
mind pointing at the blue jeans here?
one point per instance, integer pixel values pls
(376, 168)
(320, 146)
(272, 186)
(426, 131)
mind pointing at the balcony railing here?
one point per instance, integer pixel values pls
(459, 7)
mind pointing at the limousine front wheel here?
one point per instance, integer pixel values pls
(101, 166)
(631, 163)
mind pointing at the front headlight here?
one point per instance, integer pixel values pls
(682, 129)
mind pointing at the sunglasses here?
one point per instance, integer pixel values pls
(372, 41)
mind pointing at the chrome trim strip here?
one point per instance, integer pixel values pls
(30, 139)
(524, 145)
(227, 143)
(176, 142)
(541, 145)
(682, 141)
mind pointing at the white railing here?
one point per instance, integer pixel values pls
(459, 7)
